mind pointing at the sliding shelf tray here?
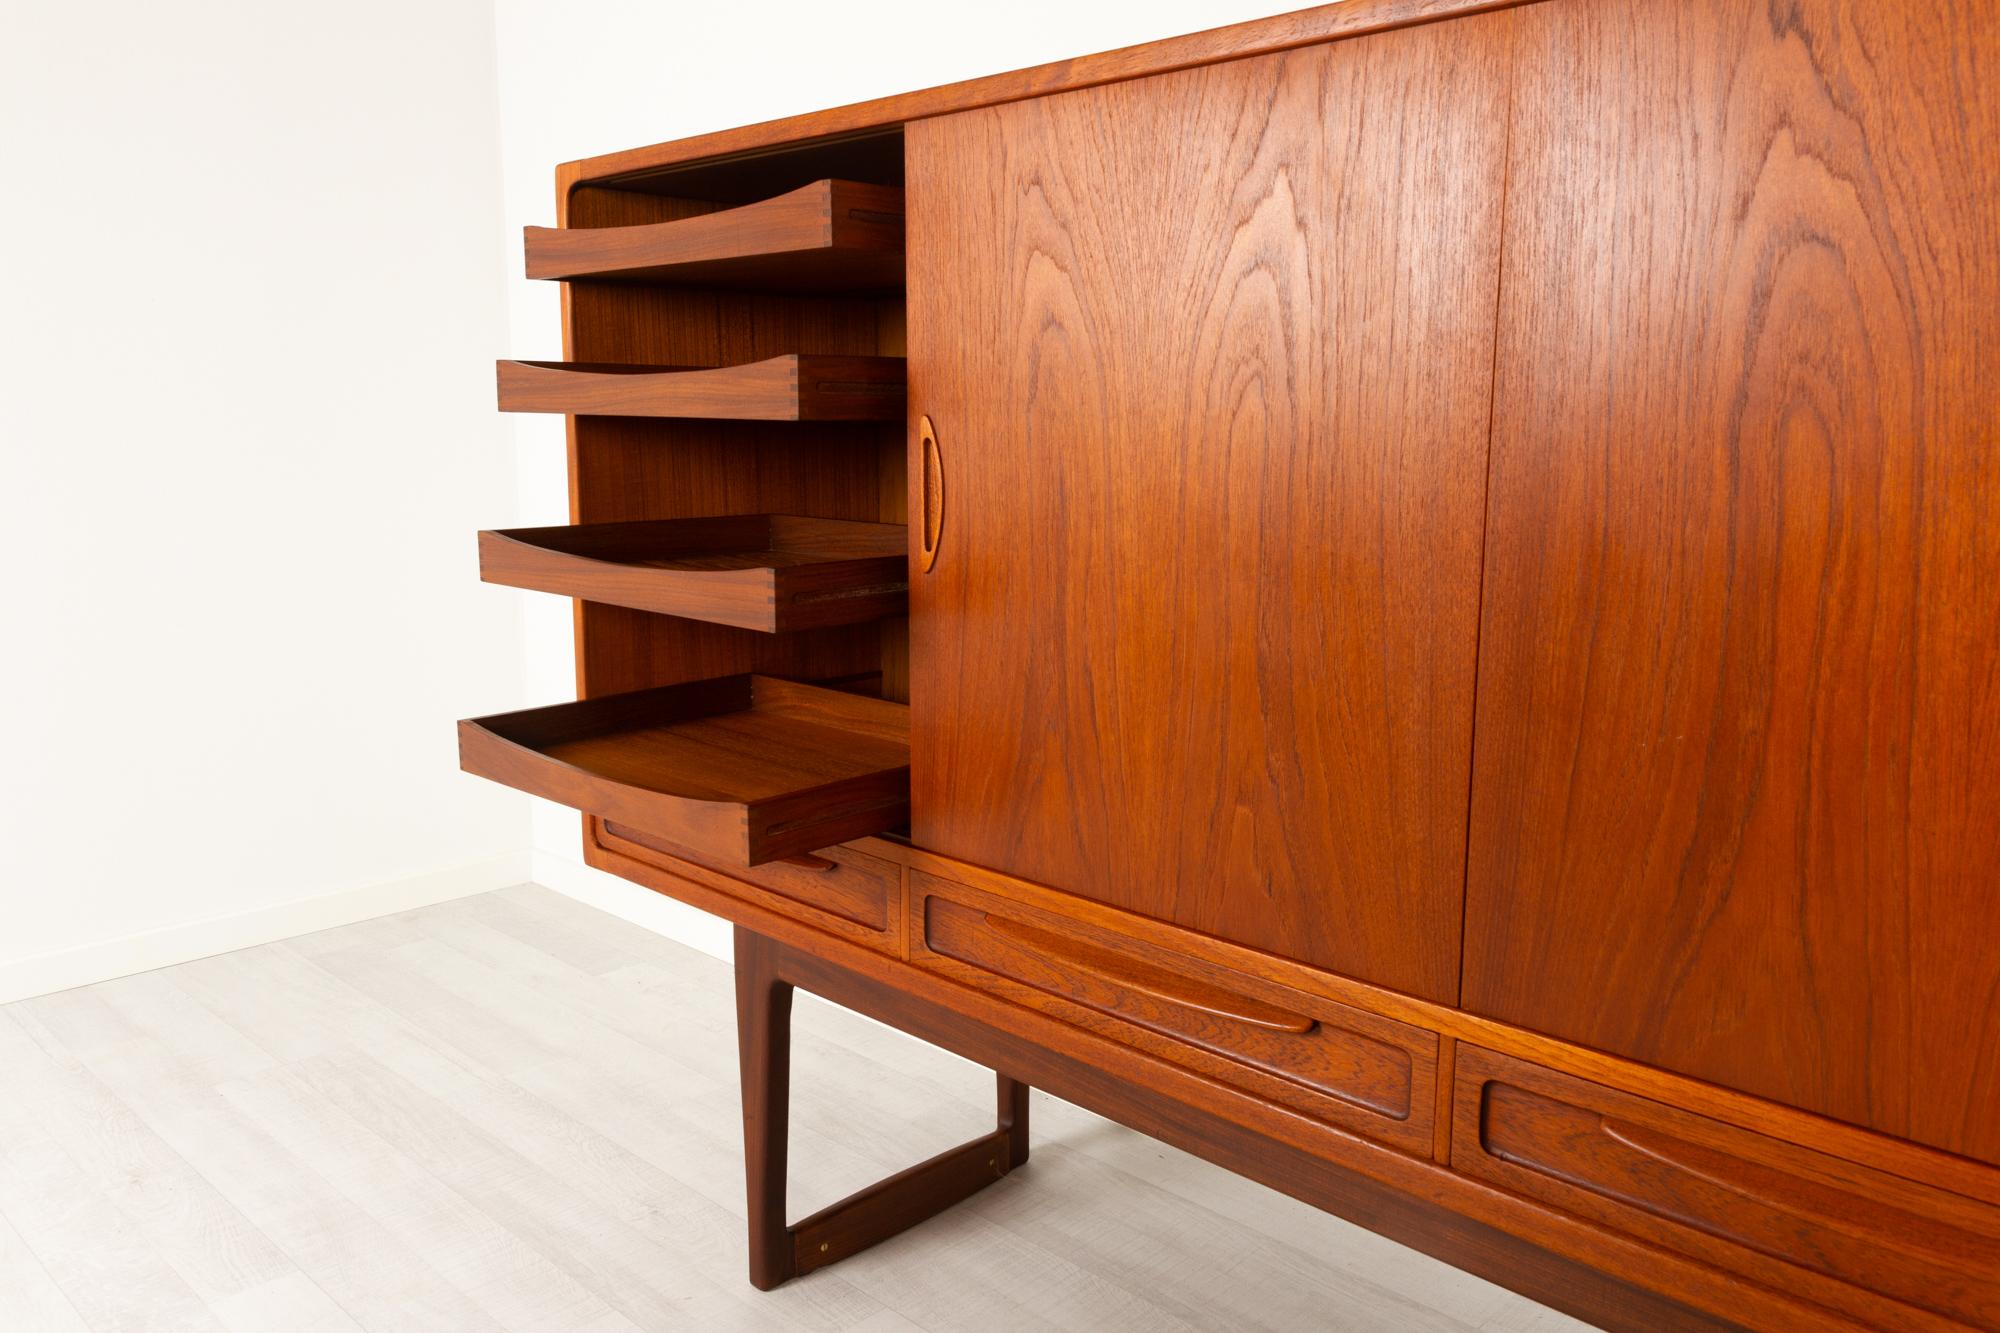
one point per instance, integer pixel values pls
(830, 236)
(784, 388)
(769, 572)
(747, 768)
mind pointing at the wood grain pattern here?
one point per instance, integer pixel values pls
(1447, 1073)
(1234, 967)
(778, 388)
(746, 767)
(1734, 809)
(628, 468)
(1509, 1237)
(850, 887)
(1226, 337)
(871, 1215)
(1220, 341)
(773, 573)
(1779, 1214)
(1200, 956)
(764, 1054)
(894, 1205)
(1921, 1181)
(1367, 1074)
(1107, 979)
(1616, 1286)
(831, 235)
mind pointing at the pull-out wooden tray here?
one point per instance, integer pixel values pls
(746, 768)
(769, 572)
(830, 236)
(783, 388)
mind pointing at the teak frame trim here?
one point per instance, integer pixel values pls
(765, 979)
(1436, 1215)
(1282, 32)
(832, 223)
(1865, 1147)
(1417, 1200)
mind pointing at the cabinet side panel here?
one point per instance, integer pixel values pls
(1736, 805)
(1209, 358)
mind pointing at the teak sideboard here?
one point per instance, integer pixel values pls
(1405, 597)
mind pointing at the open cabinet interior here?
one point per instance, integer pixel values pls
(733, 344)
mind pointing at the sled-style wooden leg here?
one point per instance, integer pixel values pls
(764, 1048)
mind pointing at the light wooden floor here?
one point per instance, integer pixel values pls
(513, 1111)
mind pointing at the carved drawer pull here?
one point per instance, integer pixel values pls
(930, 527)
(1157, 982)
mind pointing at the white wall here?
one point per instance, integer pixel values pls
(246, 434)
(255, 287)
(593, 76)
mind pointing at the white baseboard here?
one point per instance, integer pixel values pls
(635, 903)
(63, 969)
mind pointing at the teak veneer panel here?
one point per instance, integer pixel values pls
(1348, 1067)
(1162, 941)
(1780, 1214)
(1736, 804)
(746, 767)
(1208, 360)
(779, 388)
(832, 235)
(768, 572)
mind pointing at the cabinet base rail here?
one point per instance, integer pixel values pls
(1418, 1215)
(779, 1252)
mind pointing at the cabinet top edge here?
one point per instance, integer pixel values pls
(1305, 27)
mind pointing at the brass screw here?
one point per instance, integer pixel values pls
(822, 1247)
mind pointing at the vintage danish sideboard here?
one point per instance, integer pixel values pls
(1405, 597)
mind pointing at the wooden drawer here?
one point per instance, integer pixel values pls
(779, 388)
(1356, 1070)
(774, 573)
(747, 768)
(839, 890)
(829, 236)
(1783, 1214)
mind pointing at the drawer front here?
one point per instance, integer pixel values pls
(1359, 1071)
(840, 890)
(1771, 1210)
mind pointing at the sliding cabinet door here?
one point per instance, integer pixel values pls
(1737, 801)
(1208, 357)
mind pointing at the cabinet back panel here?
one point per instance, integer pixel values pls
(629, 468)
(1736, 809)
(1208, 356)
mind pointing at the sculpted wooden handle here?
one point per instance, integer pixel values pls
(930, 523)
(1157, 982)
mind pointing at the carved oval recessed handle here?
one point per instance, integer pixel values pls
(1151, 980)
(930, 522)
